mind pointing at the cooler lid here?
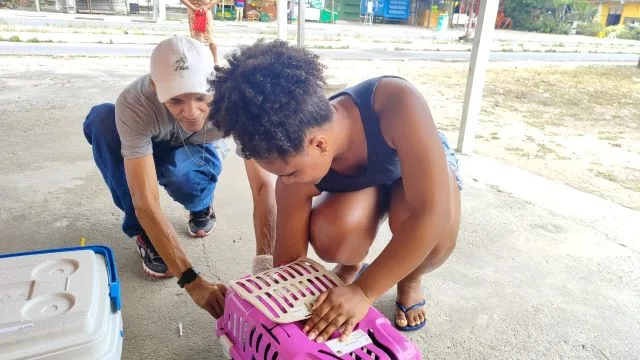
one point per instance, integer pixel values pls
(55, 299)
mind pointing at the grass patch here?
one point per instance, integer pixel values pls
(518, 151)
(400, 41)
(175, 17)
(584, 104)
(15, 38)
(514, 149)
(392, 41)
(322, 46)
(577, 98)
(544, 150)
(605, 136)
(33, 40)
(607, 175)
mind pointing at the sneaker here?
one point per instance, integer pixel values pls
(152, 263)
(202, 223)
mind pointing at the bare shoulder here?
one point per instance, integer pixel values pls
(400, 106)
(391, 91)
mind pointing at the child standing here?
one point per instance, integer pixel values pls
(205, 37)
(239, 10)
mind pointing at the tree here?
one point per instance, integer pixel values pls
(560, 6)
(584, 11)
(521, 11)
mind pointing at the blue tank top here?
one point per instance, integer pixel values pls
(383, 164)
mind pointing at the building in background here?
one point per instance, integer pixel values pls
(620, 12)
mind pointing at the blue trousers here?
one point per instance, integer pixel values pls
(186, 181)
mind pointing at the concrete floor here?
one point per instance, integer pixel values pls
(540, 270)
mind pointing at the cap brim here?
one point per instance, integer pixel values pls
(180, 88)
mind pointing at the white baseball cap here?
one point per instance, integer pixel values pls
(181, 65)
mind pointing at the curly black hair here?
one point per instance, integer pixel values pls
(268, 97)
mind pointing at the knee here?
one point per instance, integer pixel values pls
(182, 172)
(324, 236)
(338, 239)
(179, 179)
(100, 120)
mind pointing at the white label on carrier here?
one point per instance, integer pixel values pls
(356, 340)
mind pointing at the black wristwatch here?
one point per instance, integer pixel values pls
(188, 276)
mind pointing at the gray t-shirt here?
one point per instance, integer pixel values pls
(142, 119)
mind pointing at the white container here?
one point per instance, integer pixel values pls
(61, 304)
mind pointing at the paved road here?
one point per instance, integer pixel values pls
(8, 48)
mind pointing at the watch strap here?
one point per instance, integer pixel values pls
(188, 276)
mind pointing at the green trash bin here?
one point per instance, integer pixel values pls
(325, 16)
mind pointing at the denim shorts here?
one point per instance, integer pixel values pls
(452, 160)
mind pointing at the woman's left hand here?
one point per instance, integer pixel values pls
(340, 308)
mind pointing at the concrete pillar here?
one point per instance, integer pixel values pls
(159, 11)
(477, 73)
(282, 19)
(301, 6)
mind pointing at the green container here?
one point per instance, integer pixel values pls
(325, 16)
(265, 17)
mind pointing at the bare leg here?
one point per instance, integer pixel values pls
(410, 288)
(343, 227)
(264, 206)
(214, 51)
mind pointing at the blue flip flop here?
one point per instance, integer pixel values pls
(406, 315)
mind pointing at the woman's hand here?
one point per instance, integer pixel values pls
(340, 308)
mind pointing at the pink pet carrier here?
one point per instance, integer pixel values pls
(264, 316)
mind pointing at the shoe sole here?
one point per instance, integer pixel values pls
(201, 236)
(152, 273)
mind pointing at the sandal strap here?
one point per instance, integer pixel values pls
(412, 307)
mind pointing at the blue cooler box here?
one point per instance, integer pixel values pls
(60, 304)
